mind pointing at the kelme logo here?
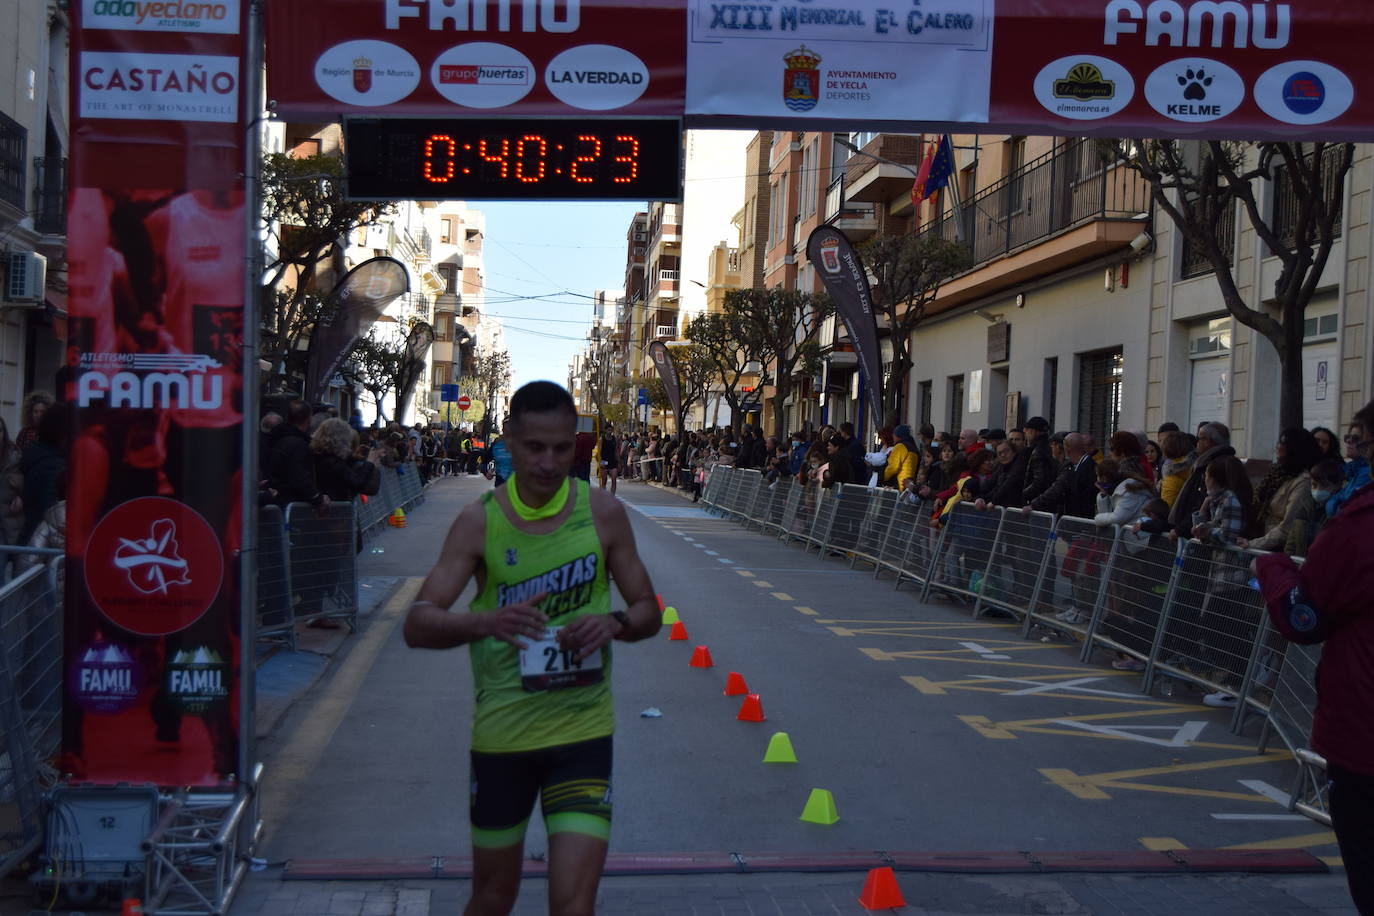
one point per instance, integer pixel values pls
(214, 16)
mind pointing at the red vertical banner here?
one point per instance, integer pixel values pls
(156, 260)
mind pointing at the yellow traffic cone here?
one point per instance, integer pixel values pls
(820, 808)
(780, 749)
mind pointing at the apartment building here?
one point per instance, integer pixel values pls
(34, 37)
(1084, 305)
(657, 317)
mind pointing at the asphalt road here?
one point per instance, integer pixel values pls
(932, 731)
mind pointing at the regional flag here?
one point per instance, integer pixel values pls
(918, 187)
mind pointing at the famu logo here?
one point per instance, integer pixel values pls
(104, 678)
(215, 16)
(197, 679)
(569, 587)
(1083, 82)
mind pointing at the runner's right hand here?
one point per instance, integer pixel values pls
(515, 622)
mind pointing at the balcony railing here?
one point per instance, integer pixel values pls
(1069, 187)
(669, 276)
(665, 330)
(837, 208)
(1286, 198)
(50, 195)
(1194, 261)
(13, 163)
(416, 305)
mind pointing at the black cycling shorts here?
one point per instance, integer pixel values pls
(572, 781)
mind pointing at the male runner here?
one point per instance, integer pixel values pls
(543, 548)
(610, 458)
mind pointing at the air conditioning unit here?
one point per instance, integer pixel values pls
(641, 236)
(25, 278)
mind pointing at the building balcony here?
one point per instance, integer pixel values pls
(665, 332)
(50, 195)
(858, 221)
(14, 139)
(878, 182)
(1062, 210)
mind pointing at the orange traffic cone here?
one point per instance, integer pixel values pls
(132, 907)
(659, 598)
(881, 891)
(701, 658)
(734, 685)
(679, 631)
(751, 710)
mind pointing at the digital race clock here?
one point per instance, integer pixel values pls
(514, 159)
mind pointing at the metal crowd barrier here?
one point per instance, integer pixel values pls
(276, 622)
(401, 488)
(323, 562)
(1184, 610)
(30, 696)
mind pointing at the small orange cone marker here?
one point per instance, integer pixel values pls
(678, 632)
(734, 685)
(881, 891)
(398, 518)
(132, 907)
(659, 599)
(751, 710)
(701, 658)
(670, 615)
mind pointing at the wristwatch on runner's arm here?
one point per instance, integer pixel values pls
(624, 620)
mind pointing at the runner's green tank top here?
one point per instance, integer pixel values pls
(567, 563)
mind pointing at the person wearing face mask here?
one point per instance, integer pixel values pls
(1327, 477)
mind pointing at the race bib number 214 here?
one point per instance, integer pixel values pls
(545, 665)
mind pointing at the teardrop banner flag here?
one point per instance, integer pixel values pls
(843, 274)
(360, 299)
(658, 352)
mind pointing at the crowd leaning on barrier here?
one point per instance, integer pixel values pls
(1185, 614)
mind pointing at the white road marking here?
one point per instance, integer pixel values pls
(1259, 817)
(713, 553)
(1183, 735)
(1042, 687)
(1273, 793)
(985, 653)
(723, 560)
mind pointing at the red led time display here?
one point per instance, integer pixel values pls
(514, 159)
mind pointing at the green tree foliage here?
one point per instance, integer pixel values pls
(732, 350)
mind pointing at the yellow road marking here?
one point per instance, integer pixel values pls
(805, 610)
(744, 572)
(762, 584)
(983, 726)
(299, 757)
(1079, 733)
(1161, 843)
(839, 631)
(1267, 757)
(782, 596)
(1333, 861)
(924, 685)
(878, 655)
(1325, 838)
(1076, 785)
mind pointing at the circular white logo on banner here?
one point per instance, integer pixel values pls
(482, 74)
(1304, 92)
(1084, 88)
(367, 72)
(597, 77)
(1195, 89)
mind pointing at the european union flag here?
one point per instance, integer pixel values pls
(941, 167)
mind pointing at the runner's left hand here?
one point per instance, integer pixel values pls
(588, 634)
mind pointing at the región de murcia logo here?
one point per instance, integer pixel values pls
(152, 563)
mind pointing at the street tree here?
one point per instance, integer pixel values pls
(492, 374)
(390, 361)
(695, 374)
(906, 272)
(1199, 186)
(304, 217)
(733, 352)
(784, 323)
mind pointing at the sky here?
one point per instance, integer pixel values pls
(558, 253)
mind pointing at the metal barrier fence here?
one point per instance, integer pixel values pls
(30, 696)
(323, 562)
(401, 488)
(1183, 613)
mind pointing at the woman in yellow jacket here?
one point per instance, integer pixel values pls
(905, 458)
(1178, 465)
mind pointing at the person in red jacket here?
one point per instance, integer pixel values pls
(1330, 598)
